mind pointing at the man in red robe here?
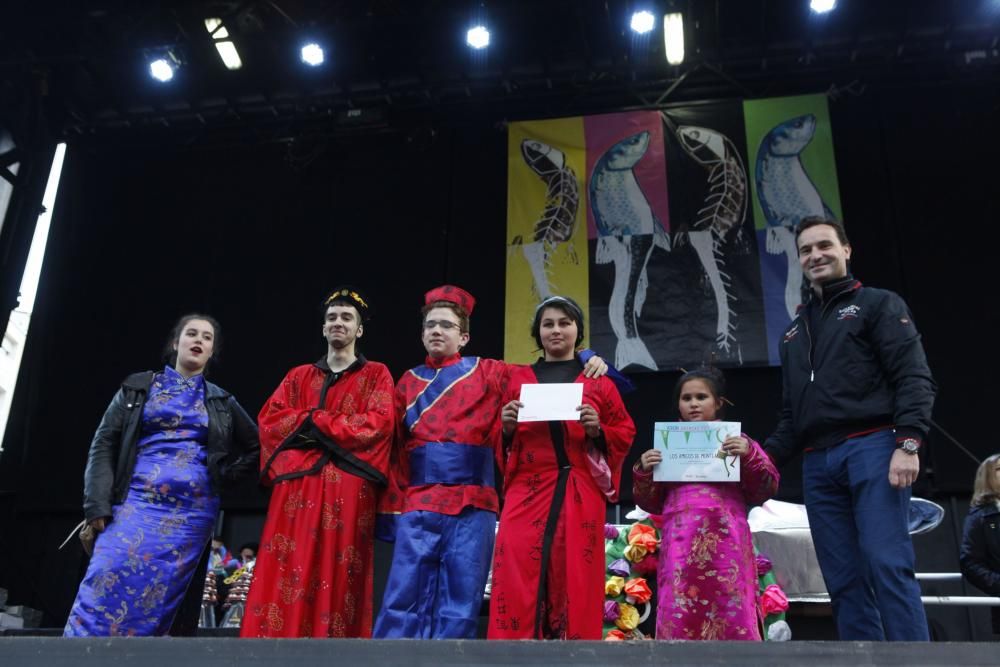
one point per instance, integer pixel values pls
(325, 440)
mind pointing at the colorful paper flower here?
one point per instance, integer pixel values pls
(773, 600)
(613, 586)
(610, 532)
(763, 564)
(635, 552)
(638, 590)
(610, 611)
(615, 636)
(646, 566)
(628, 617)
(642, 535)
(620, 567)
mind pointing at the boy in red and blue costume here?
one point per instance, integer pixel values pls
(447, 447)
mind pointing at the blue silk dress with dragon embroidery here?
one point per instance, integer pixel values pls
(144, 560)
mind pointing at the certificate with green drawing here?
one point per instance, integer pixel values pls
(692, 452)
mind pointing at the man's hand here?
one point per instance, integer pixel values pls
(903, 469)
(595, 367)
(99, 524)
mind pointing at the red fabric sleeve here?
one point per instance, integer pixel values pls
(618, 428)
(758, 474)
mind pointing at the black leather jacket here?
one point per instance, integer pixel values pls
(980, 553)
(232, 445)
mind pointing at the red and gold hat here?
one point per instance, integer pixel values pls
(455, 295)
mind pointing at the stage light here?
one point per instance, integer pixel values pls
(822, 6)
(225, 47)
(673, 37)
(643, 22)
(161, 70)
(312, 54)
(478, 37)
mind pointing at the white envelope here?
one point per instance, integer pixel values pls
(550, 402)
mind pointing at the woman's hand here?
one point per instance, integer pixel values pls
(99, 524)
(590, 420)
(508, 417)
(736, 445)
(650, 458)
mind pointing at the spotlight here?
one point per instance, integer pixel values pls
(312, 54)
(673, 37)
(478, 37)
(643, 22)
(161, 70)
(223, 44)
(822, 6)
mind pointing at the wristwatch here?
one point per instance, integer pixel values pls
(909, 445)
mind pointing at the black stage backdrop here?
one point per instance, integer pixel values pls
(256, 235)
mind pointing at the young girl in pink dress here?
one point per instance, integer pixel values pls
(707, 580)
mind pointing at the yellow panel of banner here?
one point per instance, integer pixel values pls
(547, 249)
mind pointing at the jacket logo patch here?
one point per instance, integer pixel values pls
(849, 312)
(791, 333)
(904, 321)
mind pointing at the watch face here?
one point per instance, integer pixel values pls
(910, 446)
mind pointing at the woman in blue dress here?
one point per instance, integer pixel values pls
(166, 444)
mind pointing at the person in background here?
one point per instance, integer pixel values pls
(221, 561)
(980, 553)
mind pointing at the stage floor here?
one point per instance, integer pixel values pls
(218, 652)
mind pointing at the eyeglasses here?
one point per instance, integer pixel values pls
(444, 324)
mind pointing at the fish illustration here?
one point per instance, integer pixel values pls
(628, 231)
(724, 211)
(787, 194)
(558, 219)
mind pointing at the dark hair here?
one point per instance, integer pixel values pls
(463, 317)
(712, 376)
(170, 354)
(568, 306)
(249, 545)
(817, 220)
(341, 301)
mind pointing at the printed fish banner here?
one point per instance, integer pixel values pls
(794, 176)
(574, 179)
(546, 224)
(671, 281)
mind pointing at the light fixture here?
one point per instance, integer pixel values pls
(822, 6)
(161, 69)
(673, 37)
(224, 45)
(478, 37)
(643, 22)
(312, 54)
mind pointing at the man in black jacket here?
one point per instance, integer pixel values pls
(857, 399)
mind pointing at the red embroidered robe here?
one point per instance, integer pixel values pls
(548, 566)
(325, 443)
